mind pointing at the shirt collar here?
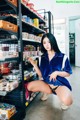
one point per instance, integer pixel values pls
(56, 55)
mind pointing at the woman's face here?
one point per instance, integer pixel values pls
(46, 44)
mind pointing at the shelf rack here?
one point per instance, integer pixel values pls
(31, 14)
(17, 96)
(9, 8)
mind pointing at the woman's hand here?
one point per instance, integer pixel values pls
(58, 73)
(33, 62)
(53, 75)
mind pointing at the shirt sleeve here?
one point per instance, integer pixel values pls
(67, 67)
(39, 65)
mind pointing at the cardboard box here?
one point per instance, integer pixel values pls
(14, 2)
(6, 111)
(8, 26)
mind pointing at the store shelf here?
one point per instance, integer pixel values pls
(9, 41)
(72, 42)
(9, 59)
(7, 32)
(14, 97)
(25, 25)
(31, 14)
(19, 115)
(4, 93)
(28, 76)
(30, 40)
(5, 5)
(72, 47)
(33, 96)
(17, 97)
(32, 29)
(9, 18)
(31, 99)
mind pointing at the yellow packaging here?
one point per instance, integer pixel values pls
(6, 113)
(24, 78)
(36, 22)
(26, 103)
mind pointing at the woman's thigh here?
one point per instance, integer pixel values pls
(64, 95)
(39, 86)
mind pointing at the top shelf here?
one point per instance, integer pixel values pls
(10, 8)
(7, 6)
(30, 13)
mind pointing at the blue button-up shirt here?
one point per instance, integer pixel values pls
(55, 64)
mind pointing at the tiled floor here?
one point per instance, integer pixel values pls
(50, 109)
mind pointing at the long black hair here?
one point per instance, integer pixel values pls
(53, 42)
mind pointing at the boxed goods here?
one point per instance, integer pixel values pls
(14, 2)
(8, 26)
(30, 5)
(6, 111)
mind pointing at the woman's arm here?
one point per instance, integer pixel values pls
(35, 66)
(63, 73)
(59, 73)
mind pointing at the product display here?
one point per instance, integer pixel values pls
(6, 111)
(36, 22)
(8, 26)
(14, 2)
(15, 70)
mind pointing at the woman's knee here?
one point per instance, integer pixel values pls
(33, 86)
(67, 100)
(64, 95)
(30, 86)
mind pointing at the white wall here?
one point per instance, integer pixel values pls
(58, 10)
(59, 33)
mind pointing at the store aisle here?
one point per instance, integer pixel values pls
(50, 109)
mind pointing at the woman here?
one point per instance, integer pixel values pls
(51, 71)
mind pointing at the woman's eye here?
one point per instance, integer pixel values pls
(44, 42)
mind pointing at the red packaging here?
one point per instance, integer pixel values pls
(30, 5)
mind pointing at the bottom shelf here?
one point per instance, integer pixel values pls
(31, 99)
(10, 112)
(19, 115)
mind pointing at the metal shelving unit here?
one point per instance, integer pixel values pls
(30, 13)
(13, 19)
(9, 8)
(72, 47)
(17, 96)
(49, 20)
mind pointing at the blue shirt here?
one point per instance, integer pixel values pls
(55, 64)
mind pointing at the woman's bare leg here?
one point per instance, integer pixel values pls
(39, 86)
(62, 92)
(64, 95)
